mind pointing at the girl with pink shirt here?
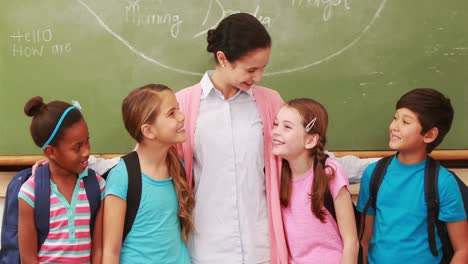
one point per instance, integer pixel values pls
(312, 234)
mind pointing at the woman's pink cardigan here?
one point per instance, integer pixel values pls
(269, 103)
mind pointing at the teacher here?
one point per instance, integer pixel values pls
(228, 160)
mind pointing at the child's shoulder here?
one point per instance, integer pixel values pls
(90, 171)
(446, 177)
(29, 183)
(444, 172)
(335, 164)
(332, 162)
(26, 192)
(371, 167)
(100, 179)
(337, 167)
(119, 170)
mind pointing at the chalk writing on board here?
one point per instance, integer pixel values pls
(339, 51)
(135, 15)
(224, 12)
(33, 36)
(36, 43)
(327, 5)
(330, 26)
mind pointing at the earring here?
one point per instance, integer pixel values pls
(223, 65)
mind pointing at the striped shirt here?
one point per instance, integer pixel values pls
(69, 238)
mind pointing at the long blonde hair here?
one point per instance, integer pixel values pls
(309, 109)
(140, 107)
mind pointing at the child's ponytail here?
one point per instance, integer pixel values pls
(184, 194)
(286, 183)
(322, 177)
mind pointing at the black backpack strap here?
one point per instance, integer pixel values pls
(134, 190)
(93, 192)
(182, 164)
(431, 173)
(328, 203)
(463, 190)
(431, 194)
(375, 182)
(42, 203)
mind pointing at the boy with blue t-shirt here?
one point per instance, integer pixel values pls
(396, 231)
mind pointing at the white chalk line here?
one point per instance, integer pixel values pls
(149, 59)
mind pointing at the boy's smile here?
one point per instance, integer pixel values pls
(405, 130)
(406, 134)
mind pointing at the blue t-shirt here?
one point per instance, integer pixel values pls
(400, 225)
(156, 235)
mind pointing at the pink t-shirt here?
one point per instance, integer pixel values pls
(309, 240)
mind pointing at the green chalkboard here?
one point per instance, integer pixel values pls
(356, 57)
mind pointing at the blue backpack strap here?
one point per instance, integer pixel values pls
(93, 192)
(134, 190)
(42, 203)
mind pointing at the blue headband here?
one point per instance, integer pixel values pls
(58, 126)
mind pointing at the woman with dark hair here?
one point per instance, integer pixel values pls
(227, 155)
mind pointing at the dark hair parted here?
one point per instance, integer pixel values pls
(140, 107)
(45, 118)
(236, 35)
(432, 108)
(309, 109)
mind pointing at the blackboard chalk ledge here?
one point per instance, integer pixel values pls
(22, 160)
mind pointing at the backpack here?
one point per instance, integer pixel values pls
(134, 189)
(330, 206)
(9, 252)
(431, 195)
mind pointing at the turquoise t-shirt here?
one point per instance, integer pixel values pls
(400, 225)
(156, 235)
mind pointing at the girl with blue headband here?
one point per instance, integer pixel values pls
(74, 230)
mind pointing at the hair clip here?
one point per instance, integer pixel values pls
(76, 104)
(310, 125)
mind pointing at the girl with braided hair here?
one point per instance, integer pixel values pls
(312, 234)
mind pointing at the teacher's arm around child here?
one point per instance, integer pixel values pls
(70, 191)
(313, 236)
(162, 222)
